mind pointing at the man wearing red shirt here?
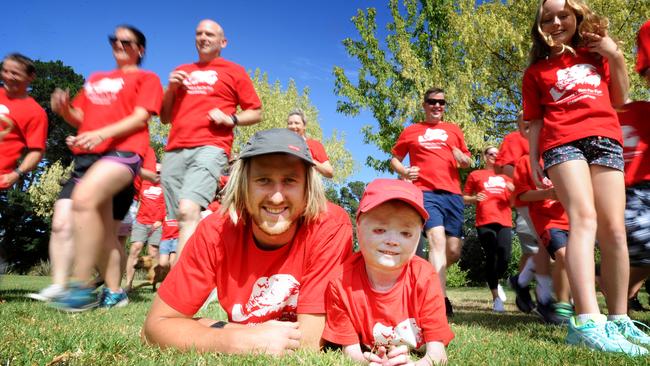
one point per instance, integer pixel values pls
(270, 255)
(436, 149)
(201, 104)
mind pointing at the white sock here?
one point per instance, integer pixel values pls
(526, 274)
(614, 317)
(544, 289)
(584, 318)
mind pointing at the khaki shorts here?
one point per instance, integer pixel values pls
(191, 174)
(146, 234)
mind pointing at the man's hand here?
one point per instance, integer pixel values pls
(60, 101)
(220, 118)
(412, 173)
(274, 337)
(481, 196)
(176, 79)
(8, 180)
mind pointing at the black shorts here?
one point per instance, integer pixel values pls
(122, 200)
(554, 240)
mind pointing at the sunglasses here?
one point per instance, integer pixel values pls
(124, 42)
(491, 154)
(436, 101)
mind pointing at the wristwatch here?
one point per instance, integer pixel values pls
(235, 121)
(19, 172)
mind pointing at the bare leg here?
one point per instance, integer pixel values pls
(637, 275)
(438, 254)
(134, 252)
(189, 215)
(61, 246)
(560, 278)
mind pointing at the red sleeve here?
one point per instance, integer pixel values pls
(191, 280)
(432, 318)
(332, 246)
(522, 178)
(643, 48)
(149, 162)
(79, 101)
(150, 95)
(461, 138)
(318, 151)
(247, 97)
(401, 147)
(469, 184)
(35, 131)
(531, 97)
(339, 328)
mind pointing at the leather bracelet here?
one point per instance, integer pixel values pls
(220, 324)
(235, 120)
(19, 172)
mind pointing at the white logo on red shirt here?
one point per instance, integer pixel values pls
(200, 81)
(103, 91)
(275, 294)
(495, 184)
(4, 109)
(630, 142)
(568, 79)
(406, 333)
(152, 193)
(433, 138)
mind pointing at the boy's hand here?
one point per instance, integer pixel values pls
(398, 356)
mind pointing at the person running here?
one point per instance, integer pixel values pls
(297, 122)
(270, 254)
(111, 113)
(575, 79)
(387, 302)
(201, 104)
(24, 128)
(436, 149)
(490, 192)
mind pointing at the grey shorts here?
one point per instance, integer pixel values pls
(595, 150)
(528, 238)
(637, 224)
(146, 234)
(191, 174)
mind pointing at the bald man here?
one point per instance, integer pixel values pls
(201, 104)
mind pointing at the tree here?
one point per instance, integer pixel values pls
(477, 53)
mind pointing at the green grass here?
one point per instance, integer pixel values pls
(33, 334)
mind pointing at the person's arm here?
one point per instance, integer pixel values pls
(533, 139)
(619, 83)
(410, 173)
(30, 161)
(311, 329)
(324, 168)
(176, 78)
(435, 355)
(60, 103)
(149, 175)
(473, 199)
(272, 337)
(507, 170)
(244, 118)
(538, 195)
(134, 121)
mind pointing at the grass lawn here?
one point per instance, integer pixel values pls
(33, 334)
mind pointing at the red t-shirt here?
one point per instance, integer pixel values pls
(411, 313)
(570, 93)
(218, 84)
(514, 145)
(149, 163)
(317, 151)
(495, 209)
(169, 229)
(546, 214)
(108, 97)
(29, 130)
(643, 47)
(429, 148)
(256, 285)
(152, 203)
(636, 138)
(214, 206)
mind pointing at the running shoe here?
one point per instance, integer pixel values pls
(635, 304)
(497, 305)
(501, 294)
(563, 311)
(110, 299)
(523, 300)
(548, 314)
(49, 293)
(448, 308)
(629, 330)
(76, 299)
(601, 336)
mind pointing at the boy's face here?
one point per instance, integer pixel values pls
(389, 235)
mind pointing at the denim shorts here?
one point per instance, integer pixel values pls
(168, 246)
(637, 224)
(445, 209)
(595, 150)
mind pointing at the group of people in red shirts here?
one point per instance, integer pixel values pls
(280, 255)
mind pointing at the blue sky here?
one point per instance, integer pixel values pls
(292, 39)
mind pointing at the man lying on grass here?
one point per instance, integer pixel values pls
(270, 253)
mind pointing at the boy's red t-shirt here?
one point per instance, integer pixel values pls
(217, 84)
(169, 229)
(496, 208)
(411, 313)
(256, 285)
(514, 146)
(317, 150)
(108, 97)
(571, 95)
(29, 130)
(636, 139)
(429, 146)
(546, 214)
(149, 163)
(152, 203)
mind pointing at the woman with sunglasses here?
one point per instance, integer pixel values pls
(111, 114)
(490, 192)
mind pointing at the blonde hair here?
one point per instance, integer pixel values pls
(586, 21)
(236, 192)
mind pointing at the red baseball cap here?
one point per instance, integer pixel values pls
(382, 190)
(643, 48)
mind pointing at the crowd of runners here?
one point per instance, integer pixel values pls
(256, 231)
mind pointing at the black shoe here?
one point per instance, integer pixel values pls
(448, 308)
(523, 300)
(548, 314)
(635, 304)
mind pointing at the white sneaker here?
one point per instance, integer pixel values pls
(49, 293)
(501, 294)
(497, 306)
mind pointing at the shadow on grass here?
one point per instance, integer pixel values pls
(16, 295)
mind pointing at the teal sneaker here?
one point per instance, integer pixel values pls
(629, 330)
(602, 336)
(110, 299)
(76, 299)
